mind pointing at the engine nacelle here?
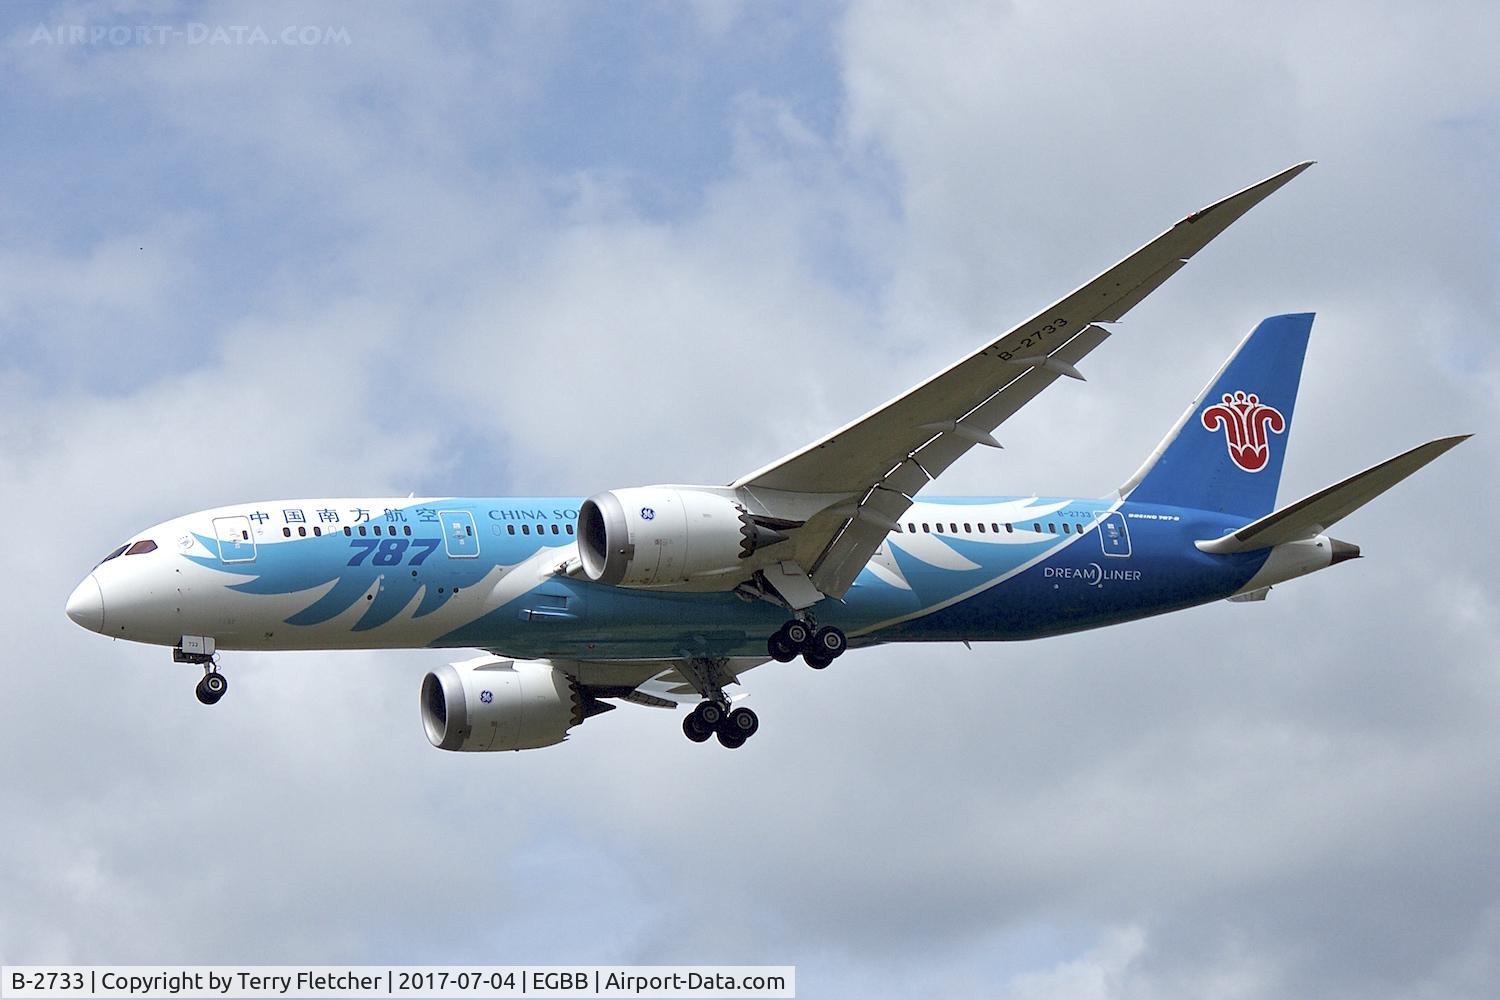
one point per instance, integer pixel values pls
(668, 536)
(490, 703)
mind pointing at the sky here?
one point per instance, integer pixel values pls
(560, 248)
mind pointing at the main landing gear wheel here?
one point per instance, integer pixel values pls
(781, 648)
(830, 642)
(797, 632)
(691, 729)
(211, 688)
(741, 722)
(708, 715)
(817, 660)
(737, 727)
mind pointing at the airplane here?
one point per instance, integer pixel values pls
(666, 595)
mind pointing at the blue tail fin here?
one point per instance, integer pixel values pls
(1225, 453)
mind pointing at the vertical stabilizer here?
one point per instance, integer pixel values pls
(1225, 453)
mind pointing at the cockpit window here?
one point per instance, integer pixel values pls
(117, 552)
(144, 545)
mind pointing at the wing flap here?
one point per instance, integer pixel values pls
(1314, 514)
(656, 683)
(907, 478)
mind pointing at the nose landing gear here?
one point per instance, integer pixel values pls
(199, 649)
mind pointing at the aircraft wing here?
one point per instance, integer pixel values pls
(880, 461)
(1320, 511)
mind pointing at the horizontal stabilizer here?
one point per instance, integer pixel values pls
(1315, 514)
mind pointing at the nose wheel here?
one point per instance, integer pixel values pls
(817, 646)
(212, 687)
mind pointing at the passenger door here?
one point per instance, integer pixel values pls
(459, 537)
(235, 543)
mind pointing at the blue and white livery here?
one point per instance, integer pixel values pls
(664, 595)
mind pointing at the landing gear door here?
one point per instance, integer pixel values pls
(235, 543)
(459, 536)
(1113, 535)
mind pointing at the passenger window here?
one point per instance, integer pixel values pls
(348, 530)
(1036, 526)
(1065, 528)
(142, 546)
(317, 531)
(1010, 529)
(286, 532)
(377, 529)
(911, 526)
(570, 529)
(301, 532)
(981, 527)
(968, 528)
(952, 527)
(554, 529)
(510, 529)
(406, 529)
(525, 529)
(1079, 528)
(1052, 527)
(926, 528)
(362, 530)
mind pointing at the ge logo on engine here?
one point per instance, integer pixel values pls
(648, 513)
(486, 697)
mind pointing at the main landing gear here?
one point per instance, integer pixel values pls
(713, 716)
(818, 646)
(200, 650)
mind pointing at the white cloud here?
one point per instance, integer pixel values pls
(1099, 975)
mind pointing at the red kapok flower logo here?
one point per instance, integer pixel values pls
(1246, 422)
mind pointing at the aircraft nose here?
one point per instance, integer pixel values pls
(86, 604)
